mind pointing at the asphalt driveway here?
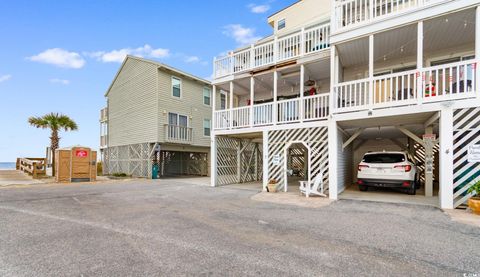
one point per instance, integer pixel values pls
(176, 227)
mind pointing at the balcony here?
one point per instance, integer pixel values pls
(178, 134)
(431, 84)
(103, 141)
(351, 13)
(275, 50)
(103, 114)
(284, 112)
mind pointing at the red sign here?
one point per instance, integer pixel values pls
(81, 153)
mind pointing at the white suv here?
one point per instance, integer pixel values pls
(387, 169)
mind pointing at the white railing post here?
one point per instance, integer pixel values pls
(252, 56)
(275, 92)
(370, 70)
(252, 99)
(215, 74)
(302, 89)
(477, 51)
(231, 106)
(333, 81)
(302, 42)
(232, 63)
(214, 105)
(372, 10)
(275, 49)
(420, 73)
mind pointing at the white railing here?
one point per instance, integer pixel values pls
(264, 54)
(354, 12)
(223, 67)
(436, 83)
(240, 117)
(316, 107)
(305, 41)
(263, 114)
(241, 61)
(289, 47)
(103, 141)
(222, 119)
(178, 134)
(288, 110)
(104, 114)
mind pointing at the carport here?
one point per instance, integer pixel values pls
(415, 134)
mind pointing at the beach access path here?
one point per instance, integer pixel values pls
(16, 177)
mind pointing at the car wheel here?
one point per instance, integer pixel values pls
(363, 187)
(417, 183)
(412, 190)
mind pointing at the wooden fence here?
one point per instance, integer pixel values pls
(34, 166)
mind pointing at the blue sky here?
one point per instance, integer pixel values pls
(60, 56)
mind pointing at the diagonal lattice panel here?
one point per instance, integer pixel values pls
(466, 132)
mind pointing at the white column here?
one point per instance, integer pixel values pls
(333, 81)
(275, 94)
(302, 41)
(214, 106)
(275, 49)
(477, 49)
(252, 56)
(213, 160)
(370, 68)
(420, 93)
(429, 155)
(332, 159)
(446, 158)
(231, 105)
(252, 98)
(265, 160)
(302, 89)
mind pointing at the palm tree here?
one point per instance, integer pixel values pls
(55, 122)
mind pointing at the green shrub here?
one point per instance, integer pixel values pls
(119, 174)
(475, 188)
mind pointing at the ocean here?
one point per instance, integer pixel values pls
(5, 165)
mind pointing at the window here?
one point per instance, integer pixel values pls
(281, 24)
(176, 87)
(206, 96)
(223, 100)
(384, 158)
(206, 127)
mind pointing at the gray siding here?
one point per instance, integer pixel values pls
(132, 104)
(190, 104)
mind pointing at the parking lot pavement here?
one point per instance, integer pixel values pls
(170, 227)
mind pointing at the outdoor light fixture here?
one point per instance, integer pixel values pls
(310, 82)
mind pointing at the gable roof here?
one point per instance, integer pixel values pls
(159, 66)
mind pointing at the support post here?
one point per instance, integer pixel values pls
(239, 161)
(420, 73)
(265, 160)
(275, 95)
(214, 105)
(446, 158)
(302, 42)
(477, 50)
(428, 157)
(252, 99)
(302, 89)
(332, 159)
(333, 80)
(370, 69)
(231, 105)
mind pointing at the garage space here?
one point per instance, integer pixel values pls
(177, 163)
(414, 134)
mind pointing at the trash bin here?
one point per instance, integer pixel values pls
(155, 171)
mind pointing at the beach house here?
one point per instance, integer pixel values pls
(157, 121)
(339, 78)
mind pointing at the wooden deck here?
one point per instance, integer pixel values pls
(16, 177)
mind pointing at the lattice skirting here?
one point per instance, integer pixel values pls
(315, 138)
(134, 159)
(466, 132)
(238, 160)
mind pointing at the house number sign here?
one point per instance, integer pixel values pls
(474, 153)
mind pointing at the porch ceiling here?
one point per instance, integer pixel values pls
(455, 30)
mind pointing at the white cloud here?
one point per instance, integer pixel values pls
(119, 55)
(59, 81)
(242, 35)
(259, 8)
(60, 58)
(192, 59)
(4, 78)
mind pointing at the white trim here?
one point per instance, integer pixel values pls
(285, 165)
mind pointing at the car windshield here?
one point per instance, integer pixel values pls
(384, 158)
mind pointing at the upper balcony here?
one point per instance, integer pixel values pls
(354, 14)
(178, 134)
(274, 50)
(104, 114)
